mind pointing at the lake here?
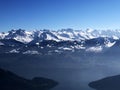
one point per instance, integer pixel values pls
(72, 73)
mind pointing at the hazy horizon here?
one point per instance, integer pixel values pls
(83, 29)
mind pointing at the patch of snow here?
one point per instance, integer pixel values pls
(72, 47)
(27, 32)
(31, 52)
(66, 48)
(37, 43)
(2, 35)
(79, 47)
(109, 44)
(96, 49)
(49, 45)
(49, 37)
(1, 43)
(70, 35)
(41, 47)
(23, 39)
(14, 51)
(64, 38)
(58, 51)
(115, 37)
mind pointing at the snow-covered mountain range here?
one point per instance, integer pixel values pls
(60, 35)
(38, 41)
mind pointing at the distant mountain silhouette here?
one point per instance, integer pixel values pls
(10, 81)
(109, 83)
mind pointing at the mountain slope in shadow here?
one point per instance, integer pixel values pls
(109, 83)
(10, 81)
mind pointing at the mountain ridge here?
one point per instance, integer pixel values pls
(46, 41)
(60, 35)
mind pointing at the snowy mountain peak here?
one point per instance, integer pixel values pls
(89, 30)
(60, 35)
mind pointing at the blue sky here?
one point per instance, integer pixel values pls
(58, 14)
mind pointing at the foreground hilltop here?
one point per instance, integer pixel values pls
(109, 83)
(10, 81)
